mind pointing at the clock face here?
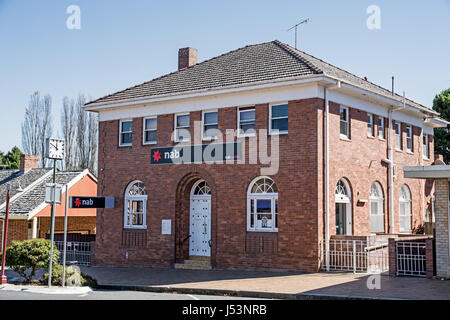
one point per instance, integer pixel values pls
(55, 149)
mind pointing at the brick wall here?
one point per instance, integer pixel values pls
(74, 224)
(299, 180)
(17, 230)
(442, 241)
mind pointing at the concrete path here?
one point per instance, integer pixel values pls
(268, 284)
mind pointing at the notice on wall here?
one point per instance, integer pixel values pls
(166, 227)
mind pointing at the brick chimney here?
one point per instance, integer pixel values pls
(438, 160)
(28, 161)
(187, 57)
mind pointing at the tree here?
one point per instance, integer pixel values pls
(37, 126)
(441, 104)
(12, 158)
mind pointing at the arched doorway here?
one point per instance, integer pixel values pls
(200, 220)
(343, 202)
(376, 209)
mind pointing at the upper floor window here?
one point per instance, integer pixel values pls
(135, 206)
(150, 129)
(381, 127)
(246, 121)
(369, 125)
(210, 125)
(426, 152)
(126, 133)
(409, 138)
(345, 132)
(262, 205)
(398, 135)
(278, 119)
(182, 122)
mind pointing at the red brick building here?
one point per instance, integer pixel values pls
(29, 214)
(342, 142)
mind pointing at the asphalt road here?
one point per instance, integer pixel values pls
(109, 295)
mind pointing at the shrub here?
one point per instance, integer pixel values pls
(30, 255)
(74, 278)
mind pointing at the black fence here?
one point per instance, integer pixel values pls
(73, 237)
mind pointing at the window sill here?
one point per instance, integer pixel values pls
(149, 143)
(125, 145)
(281, 133)
(247, 136)
(398, 150)
(135, 228)
(382, 139)
(371, 137)
(263, 231)
(344, 138)
(410, 152)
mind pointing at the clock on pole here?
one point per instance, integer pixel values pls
(55, 149)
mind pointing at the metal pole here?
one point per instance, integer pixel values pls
(52, 226)
(65, 237)
(354, 256)
(4, 279)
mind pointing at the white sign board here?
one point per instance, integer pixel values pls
(53, 193)
(166, 227)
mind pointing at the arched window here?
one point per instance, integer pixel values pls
(262, 205)
(405, 209)
(376, 208)
(201, 189)
(343, 200)
(135, 206)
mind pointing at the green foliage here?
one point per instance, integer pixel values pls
(441, 104)
(25, 257)
(73, 277)
(11, 160)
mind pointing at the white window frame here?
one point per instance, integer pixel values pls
(144, 131)
(120, 133)
(380, 205)
(370, 125)
(409, 138)
(272, 197)
(277, 132)
(244, 109)
(399, 124)
(347, 123)
(381, 120)
(408, 203)
(127, 223)
(209, 138)
(426, 147)
(175, 137)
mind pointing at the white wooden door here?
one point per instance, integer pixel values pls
(200, 226)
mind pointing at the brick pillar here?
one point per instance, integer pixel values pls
(429, 258)
(28, 162)
(392, 258)
(442, 231)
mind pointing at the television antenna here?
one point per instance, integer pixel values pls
(295, 27)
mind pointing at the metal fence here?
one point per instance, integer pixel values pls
(76, 252)
(357, 255)
(411, 259)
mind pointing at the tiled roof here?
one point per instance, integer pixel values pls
(34, 197)
(250, 64)
(16, 178)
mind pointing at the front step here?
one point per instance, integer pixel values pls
(195, 263)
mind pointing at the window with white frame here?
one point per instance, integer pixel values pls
(246, 120)
(279, 119)
(344, 129)
(135, 206)
(398, 135)
(262, 205)
(425, 147)
(369, 125)
(381, 127)
(405, 209)
(182, 133)
(150, 129)
(210, 125)
(126, 133)
(409, 138)
(376, 208)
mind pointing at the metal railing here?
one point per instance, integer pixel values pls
(76, 252)
(411, 259)
(357, 255)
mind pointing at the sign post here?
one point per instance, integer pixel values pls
(65, 237)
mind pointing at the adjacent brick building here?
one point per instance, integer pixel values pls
(332, 129)
(29, 215)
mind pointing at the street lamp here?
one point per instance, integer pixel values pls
(3, 278)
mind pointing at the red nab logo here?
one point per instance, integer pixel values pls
(157, 156)
(77, 202)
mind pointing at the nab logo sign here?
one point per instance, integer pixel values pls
(91, 202)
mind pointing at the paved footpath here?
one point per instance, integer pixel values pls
(268, 284)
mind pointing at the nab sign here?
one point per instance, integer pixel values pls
(91, 202)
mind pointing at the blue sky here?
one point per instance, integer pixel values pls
(124, 43)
